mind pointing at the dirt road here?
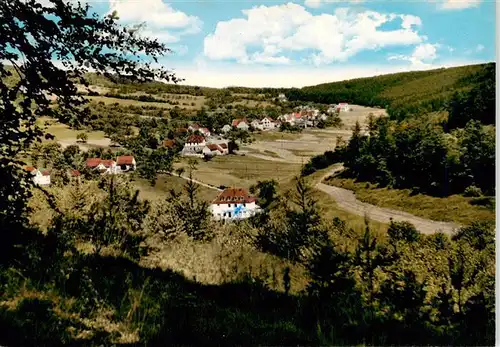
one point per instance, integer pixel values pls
(346, 199)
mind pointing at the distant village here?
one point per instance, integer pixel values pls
(232, 203)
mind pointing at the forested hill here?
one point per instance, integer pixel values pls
(408, 93)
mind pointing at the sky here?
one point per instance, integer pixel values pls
(273, 43)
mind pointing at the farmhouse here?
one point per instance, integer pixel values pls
(212, 150)
(256, 124)
(267, 123)
(101, 165)
(224, 148)
(234, 204)
(41, 177)
(126, 163)
(241, 124)
(194, 146)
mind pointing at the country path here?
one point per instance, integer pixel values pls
(346, 199)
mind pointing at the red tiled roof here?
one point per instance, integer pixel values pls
(204, 130)
(213, 147)
(232, 195)
(268, 118)
(195, 139)
(93, 162)
(223, 145)
(29, 168)
(168, 143)
(297, 115)
(236, 122)
(107, 163)
(125, 160)
(45, 172)
(74, 173)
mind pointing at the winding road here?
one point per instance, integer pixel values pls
(346, 199)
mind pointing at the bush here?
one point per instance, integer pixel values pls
(320, 161)
(472, 191)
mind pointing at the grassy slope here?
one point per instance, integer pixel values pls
(455, 208)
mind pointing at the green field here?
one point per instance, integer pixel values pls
(64, 132)
(165, 183)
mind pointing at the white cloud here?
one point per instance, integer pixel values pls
(162, 21)
(422, 55)
(479, 48)
(290, 27)
(319, 3)
(459, 4)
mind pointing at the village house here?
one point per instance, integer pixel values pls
(282, 97)
(41, 177)
(241, 124)
(226, 128)
(256, 124)
(292, 118)
(343, 106)
(234, 204)
(103, 166)
(224, 148)
(194, 146)
(126, 163)
(74, 175)
(193, 127)
(267, 123)
(211, 150)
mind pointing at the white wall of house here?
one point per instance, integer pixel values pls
(243, 126)
(229, 210)
(266, 124)
(40, 179)
(111, 170)
(125, 168)
(226, 128)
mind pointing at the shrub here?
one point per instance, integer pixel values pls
(472, 191)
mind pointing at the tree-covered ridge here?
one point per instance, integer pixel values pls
(403, 94)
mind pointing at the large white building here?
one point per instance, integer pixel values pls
(234, 204)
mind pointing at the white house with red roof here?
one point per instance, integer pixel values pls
(343, 106)
(194, 146)
(104, 166)
(126, 163)
(241, 124)
(234, 204)
(267, 123)
(212, 149)
(41, 177)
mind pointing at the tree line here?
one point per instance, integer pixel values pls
(417, 155)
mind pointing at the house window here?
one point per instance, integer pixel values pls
(224, 215)
(229, 214)
(228, 205)
(244, 205)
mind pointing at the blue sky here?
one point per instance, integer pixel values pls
(297, 43)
